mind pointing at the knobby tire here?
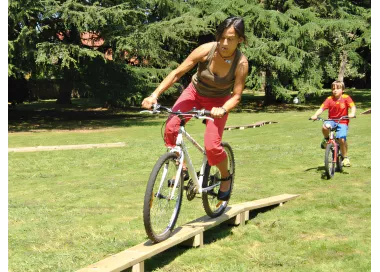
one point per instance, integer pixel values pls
(209, 199)
(160, 214)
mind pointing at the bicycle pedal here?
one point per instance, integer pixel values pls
(219, 203)
(171, 183)
(186, 175)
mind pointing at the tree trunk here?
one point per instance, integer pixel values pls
(342, 67)
(264, 81)
(64, 96)
(270, 98)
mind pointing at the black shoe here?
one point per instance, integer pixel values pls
(225, 196)
(185, 174)
(324, 143)
(171, 182)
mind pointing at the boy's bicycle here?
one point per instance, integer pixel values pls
(164, 191)
(333, 155)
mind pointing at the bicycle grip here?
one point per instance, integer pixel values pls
(207, 112)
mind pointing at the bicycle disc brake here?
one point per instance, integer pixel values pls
(191, 191)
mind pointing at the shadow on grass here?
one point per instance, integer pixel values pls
(86, 114)
(80, 115)
(322, 172)
(254, 213)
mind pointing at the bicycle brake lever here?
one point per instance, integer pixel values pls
(208, 118)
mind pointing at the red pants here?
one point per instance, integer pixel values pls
(214, 130)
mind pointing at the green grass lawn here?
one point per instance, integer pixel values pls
(70, 208)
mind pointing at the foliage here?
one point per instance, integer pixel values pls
(293, 45)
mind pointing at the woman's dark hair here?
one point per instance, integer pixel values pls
(236, 22)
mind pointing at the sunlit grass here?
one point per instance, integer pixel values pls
(70, 208)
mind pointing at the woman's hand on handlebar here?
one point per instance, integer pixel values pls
(148, 102)
(218, 112)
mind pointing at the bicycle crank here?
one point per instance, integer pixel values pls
(191, 190)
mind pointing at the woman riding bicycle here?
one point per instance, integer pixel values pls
(222, 69)
(338, 105)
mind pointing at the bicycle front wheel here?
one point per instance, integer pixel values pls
(339, 160)
(329, 161)
(211, 204)
(161, 210)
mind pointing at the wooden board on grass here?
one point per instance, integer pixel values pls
(63, 147)
(257, 124)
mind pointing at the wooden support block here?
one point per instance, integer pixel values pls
(235, 221)
(196, 241)
(138, 267)
(242, 219)
(239, 219)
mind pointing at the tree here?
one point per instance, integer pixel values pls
(298, 45)
(50, 39)
(131, 45)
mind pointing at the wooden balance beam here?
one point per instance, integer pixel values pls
(190, 234)
(63, 147)
(257, 124)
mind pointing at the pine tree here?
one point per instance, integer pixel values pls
(293, 45)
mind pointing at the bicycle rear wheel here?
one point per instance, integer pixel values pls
(211, 204)
(160, 211)
(329, 161)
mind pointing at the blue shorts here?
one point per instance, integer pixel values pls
(341, 129)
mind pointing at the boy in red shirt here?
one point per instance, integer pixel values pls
(337, 104)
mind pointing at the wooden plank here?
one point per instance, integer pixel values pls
(257, 124)
(206, 222)
(188, 234)
(266, 202)
(233, 210)
(137, 254)
(63, 147)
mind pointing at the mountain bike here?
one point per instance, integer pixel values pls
(164, 191)
(333, 154)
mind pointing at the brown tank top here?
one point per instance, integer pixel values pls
(210, 85)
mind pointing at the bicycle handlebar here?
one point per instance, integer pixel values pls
(199, 114)
(339, 119)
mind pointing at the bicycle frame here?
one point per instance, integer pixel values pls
(332, 135)
(184, 156)
(333, 140)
